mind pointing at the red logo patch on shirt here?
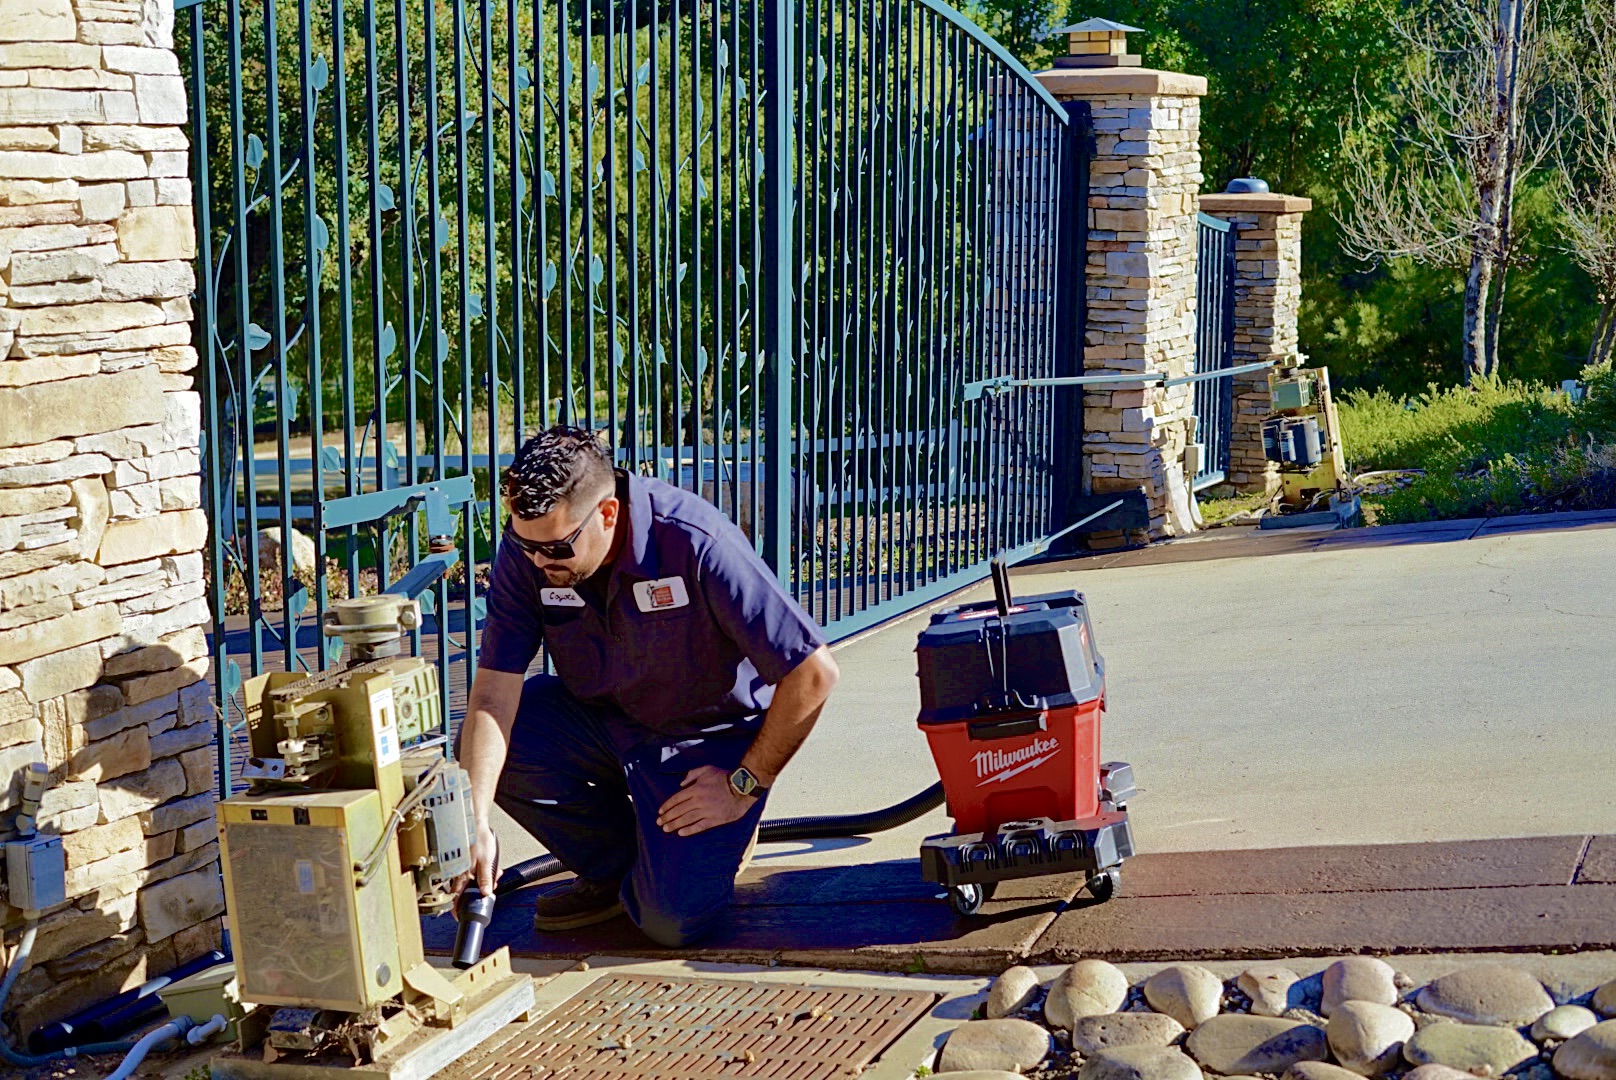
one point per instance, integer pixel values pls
(661, 596)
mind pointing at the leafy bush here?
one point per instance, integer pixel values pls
(1496, 448)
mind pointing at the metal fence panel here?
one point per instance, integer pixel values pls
(1214, 347)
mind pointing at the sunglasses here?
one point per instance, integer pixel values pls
(559, 550)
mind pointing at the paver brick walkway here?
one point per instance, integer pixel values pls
(1534, 894)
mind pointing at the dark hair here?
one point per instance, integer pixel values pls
(561, 465)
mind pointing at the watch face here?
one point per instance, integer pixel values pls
(743, 781)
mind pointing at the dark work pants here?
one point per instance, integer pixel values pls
(588, 782)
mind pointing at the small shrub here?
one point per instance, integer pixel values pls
(1496, 448)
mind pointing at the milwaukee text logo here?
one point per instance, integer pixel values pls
(994, 766)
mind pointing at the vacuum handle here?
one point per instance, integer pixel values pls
(1007, 727)
(1001, 587)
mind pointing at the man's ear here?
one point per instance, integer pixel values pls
(609, 510)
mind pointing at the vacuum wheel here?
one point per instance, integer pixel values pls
(967, 899)
(1103, 886)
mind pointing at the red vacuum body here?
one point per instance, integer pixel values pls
(1012, 699)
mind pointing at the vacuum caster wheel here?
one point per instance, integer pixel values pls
(1103, 886)
(967, 899)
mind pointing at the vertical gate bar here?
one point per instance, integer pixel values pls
(541, 215)
(716, 359)
(207, 321)
(1022, 154)
(781, 267)
(815, 356)
(351, 476)
(565, 265)
(799, 569)
(758, 337)
(884, 428)
(517, 347)
(609, 198)
(277, 280)
(434, 331)
(659, 272)
(926, 350)
(858, 308)
(243, 304)
(984, 358)
(490, 336)
(311, 316)
(636, 405)
(869, 428)
(698, 349)
(925, 265)
(732, 340)
(897, 473)
(949, 337)
(1038, 452)
(676, 264)
(841, 213)
(410, 336)
(373, 180)
(586, 108)
(466, 429)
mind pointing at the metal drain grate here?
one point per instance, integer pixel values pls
(674, 1028)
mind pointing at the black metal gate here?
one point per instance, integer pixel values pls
(764, 247)
(1214, 348)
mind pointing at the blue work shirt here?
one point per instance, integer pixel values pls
(690, 629)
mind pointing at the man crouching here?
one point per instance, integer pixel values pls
(686, 678)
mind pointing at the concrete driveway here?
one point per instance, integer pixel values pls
(1380, 686)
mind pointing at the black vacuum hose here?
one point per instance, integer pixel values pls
(783, 831)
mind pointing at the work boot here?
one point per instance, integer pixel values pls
(575, 903)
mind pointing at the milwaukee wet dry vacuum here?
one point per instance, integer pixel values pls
(1012, 694)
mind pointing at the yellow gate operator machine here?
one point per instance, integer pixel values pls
(354, 823)
(1303, 436)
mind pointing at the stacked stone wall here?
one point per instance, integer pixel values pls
(1140, 281)
(102, 606)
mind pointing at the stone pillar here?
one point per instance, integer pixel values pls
(1140, 278)
(102, 606)
(1267, 301)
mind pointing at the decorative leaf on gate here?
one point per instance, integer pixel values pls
(322, 234)
(548, 185)
(429, 603)
(594, 78)
(524, 81)
(468, 121)
(231, 682)
(331, 458)
(257, 337)
(443, 343)
(639, 162)
(549, 277)
(333, 650)
(440, 232)
(479, 610)
(597, 270)
(255, 152)
(389, 341)
(723, 55)
(297, 602)
(319, 74)
(643, 75)
(384, 198)
(474, 305)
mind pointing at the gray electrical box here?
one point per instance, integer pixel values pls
(36, 872)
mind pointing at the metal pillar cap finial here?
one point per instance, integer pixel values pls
(1246, 185)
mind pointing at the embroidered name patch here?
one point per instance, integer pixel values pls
(560, 598)
(663, 594)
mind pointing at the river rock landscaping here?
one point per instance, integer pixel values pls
(1359, 1017)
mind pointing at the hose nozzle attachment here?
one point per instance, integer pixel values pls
(474, 912)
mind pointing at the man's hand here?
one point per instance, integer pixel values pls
(704, 801)
(484, 866)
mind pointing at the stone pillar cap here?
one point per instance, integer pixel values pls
(1119, 81)
(1264, 203)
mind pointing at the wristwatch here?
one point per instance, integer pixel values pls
(744, 784)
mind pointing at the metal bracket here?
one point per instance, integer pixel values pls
(438, 496)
